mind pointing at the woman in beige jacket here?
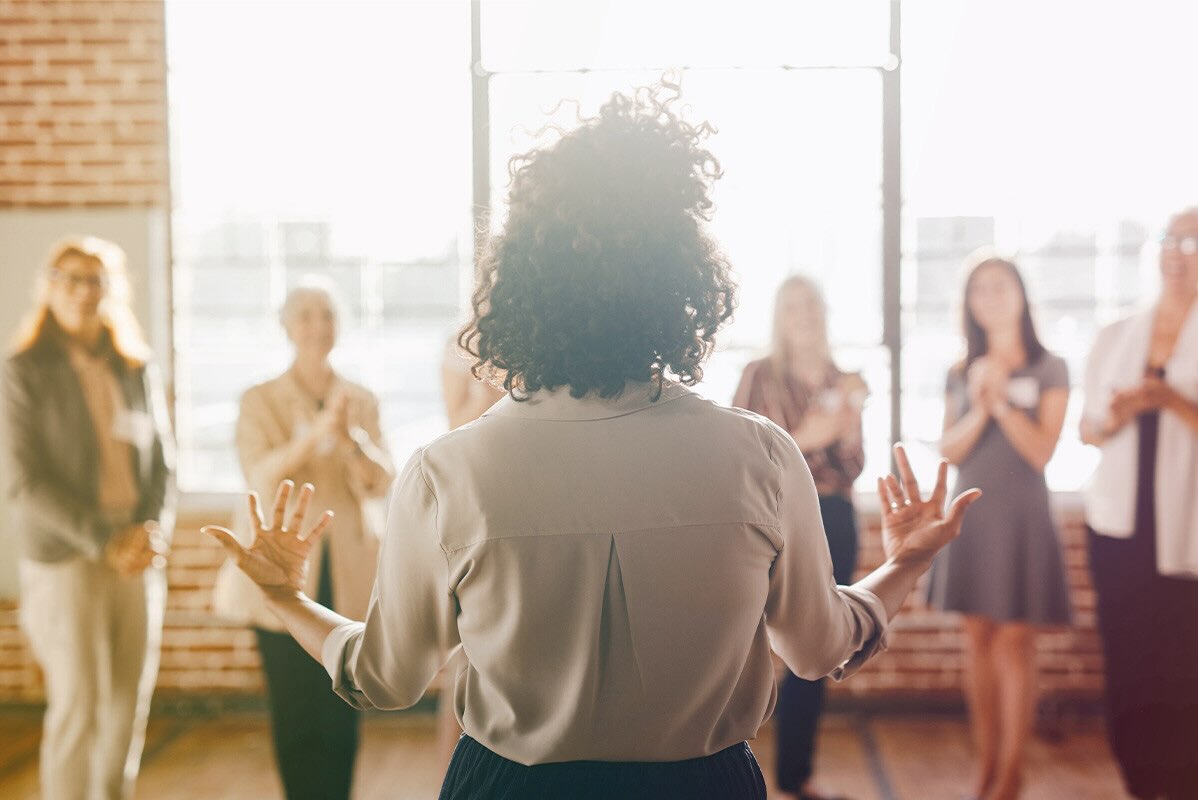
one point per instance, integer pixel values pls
(310, 424)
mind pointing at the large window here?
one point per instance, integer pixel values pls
(350, 139)
(1062, 134)
(795, 92)
(329, 138)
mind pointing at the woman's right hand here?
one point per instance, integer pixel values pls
(914, 528)
(333, 420)
(135, 548)
(277, 559)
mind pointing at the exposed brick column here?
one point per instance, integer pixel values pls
(82, 104)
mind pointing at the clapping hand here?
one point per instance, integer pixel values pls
(277, 559)
(333, 419)
(134, 549)
(987, 385)
(1127, 404)
(914, 528)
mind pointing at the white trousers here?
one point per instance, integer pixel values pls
(97, 637)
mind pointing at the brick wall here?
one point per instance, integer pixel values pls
(83, 124)
(82, 103)
(204, 657)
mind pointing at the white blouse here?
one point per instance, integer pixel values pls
(615, 572)
(1117, 361)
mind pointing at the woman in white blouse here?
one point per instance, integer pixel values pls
(613, 554)
(1142, 510)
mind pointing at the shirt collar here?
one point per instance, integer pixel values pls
(559, 405)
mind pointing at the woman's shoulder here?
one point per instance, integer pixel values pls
(1121, 327)
(268, 392)
(756, 367)
(737, 428)
(1049, 363)
(851, 381)
(955, 376)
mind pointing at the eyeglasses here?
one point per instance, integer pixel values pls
(1186, 245)
(73, 281)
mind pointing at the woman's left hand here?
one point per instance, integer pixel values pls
(1157, 394)
(914, 528)
(277, 560)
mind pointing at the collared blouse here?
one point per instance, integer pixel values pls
(616, 573)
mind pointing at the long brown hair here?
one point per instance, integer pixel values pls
(976, 344)
(115, 313)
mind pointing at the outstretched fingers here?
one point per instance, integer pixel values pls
(301, 508)
(281, 498)
(940, 493)
(255, 504)
(956, 512)
(225, 538)
(318, 529)
(910, 484)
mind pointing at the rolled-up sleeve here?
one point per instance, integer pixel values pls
(818, 628)
(389, 660)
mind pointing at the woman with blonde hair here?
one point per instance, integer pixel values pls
(91, 463)
(800, 388)
(311, 424)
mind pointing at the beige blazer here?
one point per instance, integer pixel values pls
(272, 414)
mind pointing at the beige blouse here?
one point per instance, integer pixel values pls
(616, 573)
(272, 415)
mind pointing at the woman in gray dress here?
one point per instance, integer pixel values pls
(1004, 408)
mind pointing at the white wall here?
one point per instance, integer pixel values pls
(26, 237)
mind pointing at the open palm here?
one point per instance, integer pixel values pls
(911, 526)
(277, 558)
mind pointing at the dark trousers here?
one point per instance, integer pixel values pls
(800, 702)
(1150, 649)
(477, 773)
(315, 731)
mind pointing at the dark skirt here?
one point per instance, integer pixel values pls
(1150, 649)
(477, 773)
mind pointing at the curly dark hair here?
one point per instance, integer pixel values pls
(604, 272)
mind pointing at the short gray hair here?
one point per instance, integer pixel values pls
(310, 285)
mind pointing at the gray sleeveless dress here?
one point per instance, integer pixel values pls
(1007, 563)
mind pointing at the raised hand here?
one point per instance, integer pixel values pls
(277, 559)
(914, 528)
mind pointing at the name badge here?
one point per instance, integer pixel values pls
(135, 428)
(1023, 392)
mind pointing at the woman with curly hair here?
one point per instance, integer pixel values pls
(613, 554)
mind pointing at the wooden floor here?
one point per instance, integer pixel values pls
(865, 758)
